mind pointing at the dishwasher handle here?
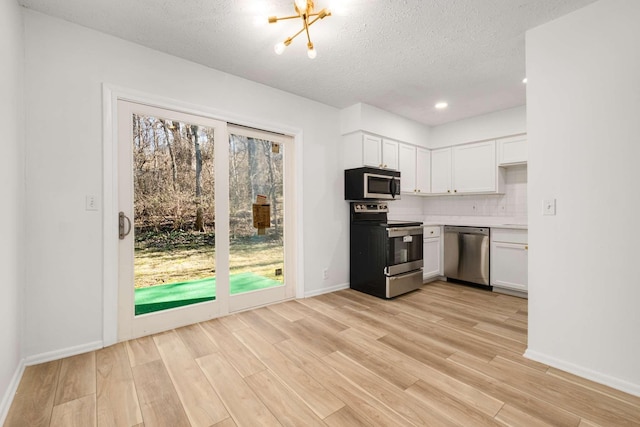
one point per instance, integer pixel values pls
(466, 230)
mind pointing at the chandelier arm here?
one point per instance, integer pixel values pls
(312, 22)
(296, 34)
(274, 19)
(306, 28)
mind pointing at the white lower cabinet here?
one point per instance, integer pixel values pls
(432, 253)
(509, 260)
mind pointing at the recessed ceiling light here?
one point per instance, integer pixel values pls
(524, 80)
(441, 105)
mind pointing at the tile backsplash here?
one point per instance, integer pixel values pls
(513, 203)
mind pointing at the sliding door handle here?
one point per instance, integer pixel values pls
(121, 229)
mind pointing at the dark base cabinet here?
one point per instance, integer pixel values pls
(368, 258)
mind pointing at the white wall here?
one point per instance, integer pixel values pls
(11, 196)
(363, 117)
(487, 126)
(65, 68)
(583, 114)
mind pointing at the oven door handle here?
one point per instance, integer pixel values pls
(404, 231)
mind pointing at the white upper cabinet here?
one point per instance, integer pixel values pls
(414, 164)
(379, 152)
(407, 167)
(463, 169)
(512, 151)
(371, 151)
(474, 168)
(441, 171)
(423, 170)
(389, 154)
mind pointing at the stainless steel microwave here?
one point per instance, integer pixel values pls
(371, 184)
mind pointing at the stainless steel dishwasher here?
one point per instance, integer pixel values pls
(466, 254)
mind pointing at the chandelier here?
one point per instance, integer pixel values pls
(304, 10)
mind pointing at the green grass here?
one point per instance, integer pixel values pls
(163, 297)
(160, 261)
(177, 268)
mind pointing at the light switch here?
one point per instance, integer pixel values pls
(549, 207)
(91, 203)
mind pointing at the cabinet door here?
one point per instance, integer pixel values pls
(509, 267)
(441, 171)
(512, 151)
(431, 251)
(389, 154)
(423, 170)
(407, 167)
(371, 151)
(474, 168)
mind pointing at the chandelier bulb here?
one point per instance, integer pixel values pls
(311, 52)
(279, 48)
(302, 6)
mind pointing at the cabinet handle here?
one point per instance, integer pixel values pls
(455, 191)
(432, 232)
(384, 166)
(448, 191)
(526, 248)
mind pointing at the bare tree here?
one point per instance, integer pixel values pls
(174, 173)
(199, 225)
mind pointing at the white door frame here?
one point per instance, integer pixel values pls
(111, 94)
(251, 299)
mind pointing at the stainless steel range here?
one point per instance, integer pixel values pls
(385, 256)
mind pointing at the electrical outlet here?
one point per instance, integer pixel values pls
(91, 203)
(325, 273)
(549, 207)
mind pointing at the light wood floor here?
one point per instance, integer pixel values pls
(441, 356)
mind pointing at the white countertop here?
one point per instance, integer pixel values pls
(469, 221)
(479, 224)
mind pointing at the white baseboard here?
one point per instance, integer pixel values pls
(10, 393)
(326, 290)
(62, 353)
(617, 383)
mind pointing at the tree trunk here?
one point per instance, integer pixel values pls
(174, 177)
(199, 226)
(253, 167)
(272, 185)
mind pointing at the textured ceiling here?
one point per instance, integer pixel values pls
(398, 55)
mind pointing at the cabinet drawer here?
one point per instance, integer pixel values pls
(431, 231)
(509, 235)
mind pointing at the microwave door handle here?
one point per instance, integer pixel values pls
(392, 187)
